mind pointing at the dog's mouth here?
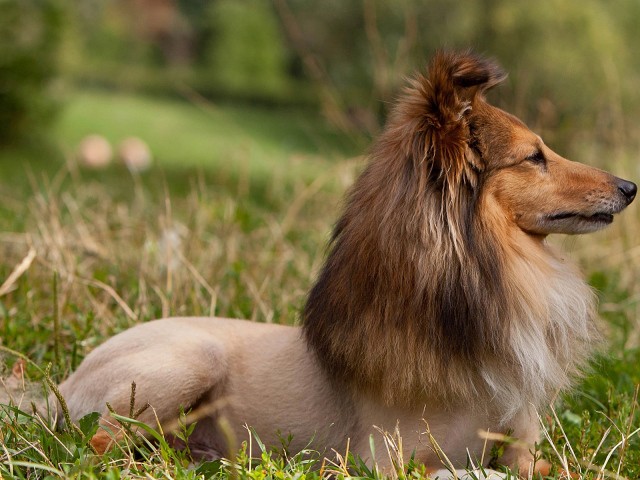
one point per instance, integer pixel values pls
(570, 223)
(598, 217)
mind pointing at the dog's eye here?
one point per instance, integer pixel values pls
(537, 157)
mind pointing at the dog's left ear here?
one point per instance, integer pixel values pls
(431, 119)
(467, 71)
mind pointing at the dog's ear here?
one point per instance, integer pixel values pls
(467, 70)
(433, 113)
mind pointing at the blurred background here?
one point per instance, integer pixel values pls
(109, 66)
(190, 156)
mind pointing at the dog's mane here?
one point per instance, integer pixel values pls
(427, 293)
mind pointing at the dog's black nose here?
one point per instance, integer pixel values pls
(628, 189)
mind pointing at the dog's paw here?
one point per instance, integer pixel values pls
(102, 442)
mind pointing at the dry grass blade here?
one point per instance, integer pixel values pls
(393, 445)
(111, 291)
(627, 434)
(340, 466)
(440, 453)
(562, 458)
(621, 443)
(17, 272)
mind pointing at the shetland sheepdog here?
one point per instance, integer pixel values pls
(441, 307)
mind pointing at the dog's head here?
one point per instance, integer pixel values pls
(478, 153)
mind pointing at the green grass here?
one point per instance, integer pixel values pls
(249, 243)
(201, 134)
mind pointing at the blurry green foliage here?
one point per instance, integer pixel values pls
(246, 54)
(573, 66)
(110, 44)
(29, 37)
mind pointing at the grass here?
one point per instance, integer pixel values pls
(202, 134)
(198, 235)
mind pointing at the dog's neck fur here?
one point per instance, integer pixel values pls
(420, 301)
(551, 330)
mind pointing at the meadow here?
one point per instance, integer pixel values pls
(232, 220)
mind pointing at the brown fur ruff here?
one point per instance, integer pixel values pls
(428, 293)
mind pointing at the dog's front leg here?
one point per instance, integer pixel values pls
(520, 455)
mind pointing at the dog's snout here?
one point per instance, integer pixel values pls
(628, 189)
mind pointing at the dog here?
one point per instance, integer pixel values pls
(441, 308)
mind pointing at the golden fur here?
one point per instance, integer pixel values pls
(440, 300)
